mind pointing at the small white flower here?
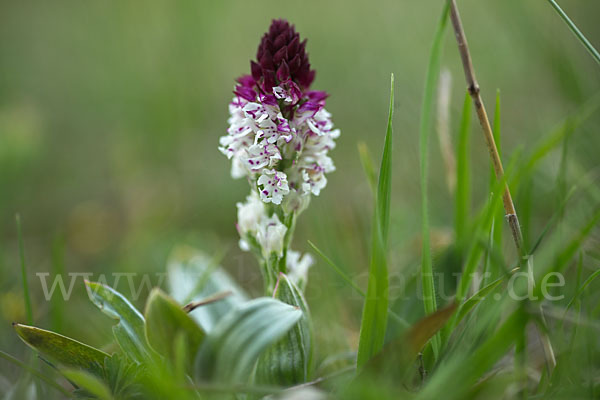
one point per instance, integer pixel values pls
(298, 267)
(259, 156)
(273, 186)
(270, 236)
(250, 214)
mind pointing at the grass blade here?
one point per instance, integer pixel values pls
(367, 164)
(375, 310)
(353, 285)
(586, 43)
(433, 70)
(476, 299)
(338, 270)
(384, 187)
(463, 179)
(26, 294)
(58, 269)
(459, 376)
(589, 280)
(499, 218)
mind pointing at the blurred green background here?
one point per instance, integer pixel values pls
(110, 115)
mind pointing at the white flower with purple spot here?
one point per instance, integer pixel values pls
(272, 186)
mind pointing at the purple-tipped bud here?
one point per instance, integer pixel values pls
(281, 57)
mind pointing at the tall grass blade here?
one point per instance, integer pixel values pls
(463, 181)
(499, 218)
(586, 43)
(26, 293)
(375, 310)
(433, 70)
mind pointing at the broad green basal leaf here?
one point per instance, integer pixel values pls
(193, 276)
(129, 331)
(165, 322)
(288, 362)
(63, 350)
(232, 348)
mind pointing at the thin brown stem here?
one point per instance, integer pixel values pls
(474, 92)
(509, 207)
(209, 300)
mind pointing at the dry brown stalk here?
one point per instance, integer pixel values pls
(509, 207)
(474, 92)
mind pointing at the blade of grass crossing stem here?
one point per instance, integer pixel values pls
(367, 164)
(495, 234)
(499, 217)
(337, 269)
(463, 179)
(375, 309)
(58, 268)
(460, 374)
(351, 283)
(35, 373)
(582, 288)
(433, 72)
(26, 294)
(586, 43)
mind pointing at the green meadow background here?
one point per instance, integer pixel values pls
(110, 115)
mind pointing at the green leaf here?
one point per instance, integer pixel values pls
(65, 351)
(289, 361)
(129, 331)
(375, 310)
(89, 383)
(166, 321)
(232, 348)
(192, 276)
(433, 72)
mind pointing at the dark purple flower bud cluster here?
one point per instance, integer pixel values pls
(281, 61)
(281, 57)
